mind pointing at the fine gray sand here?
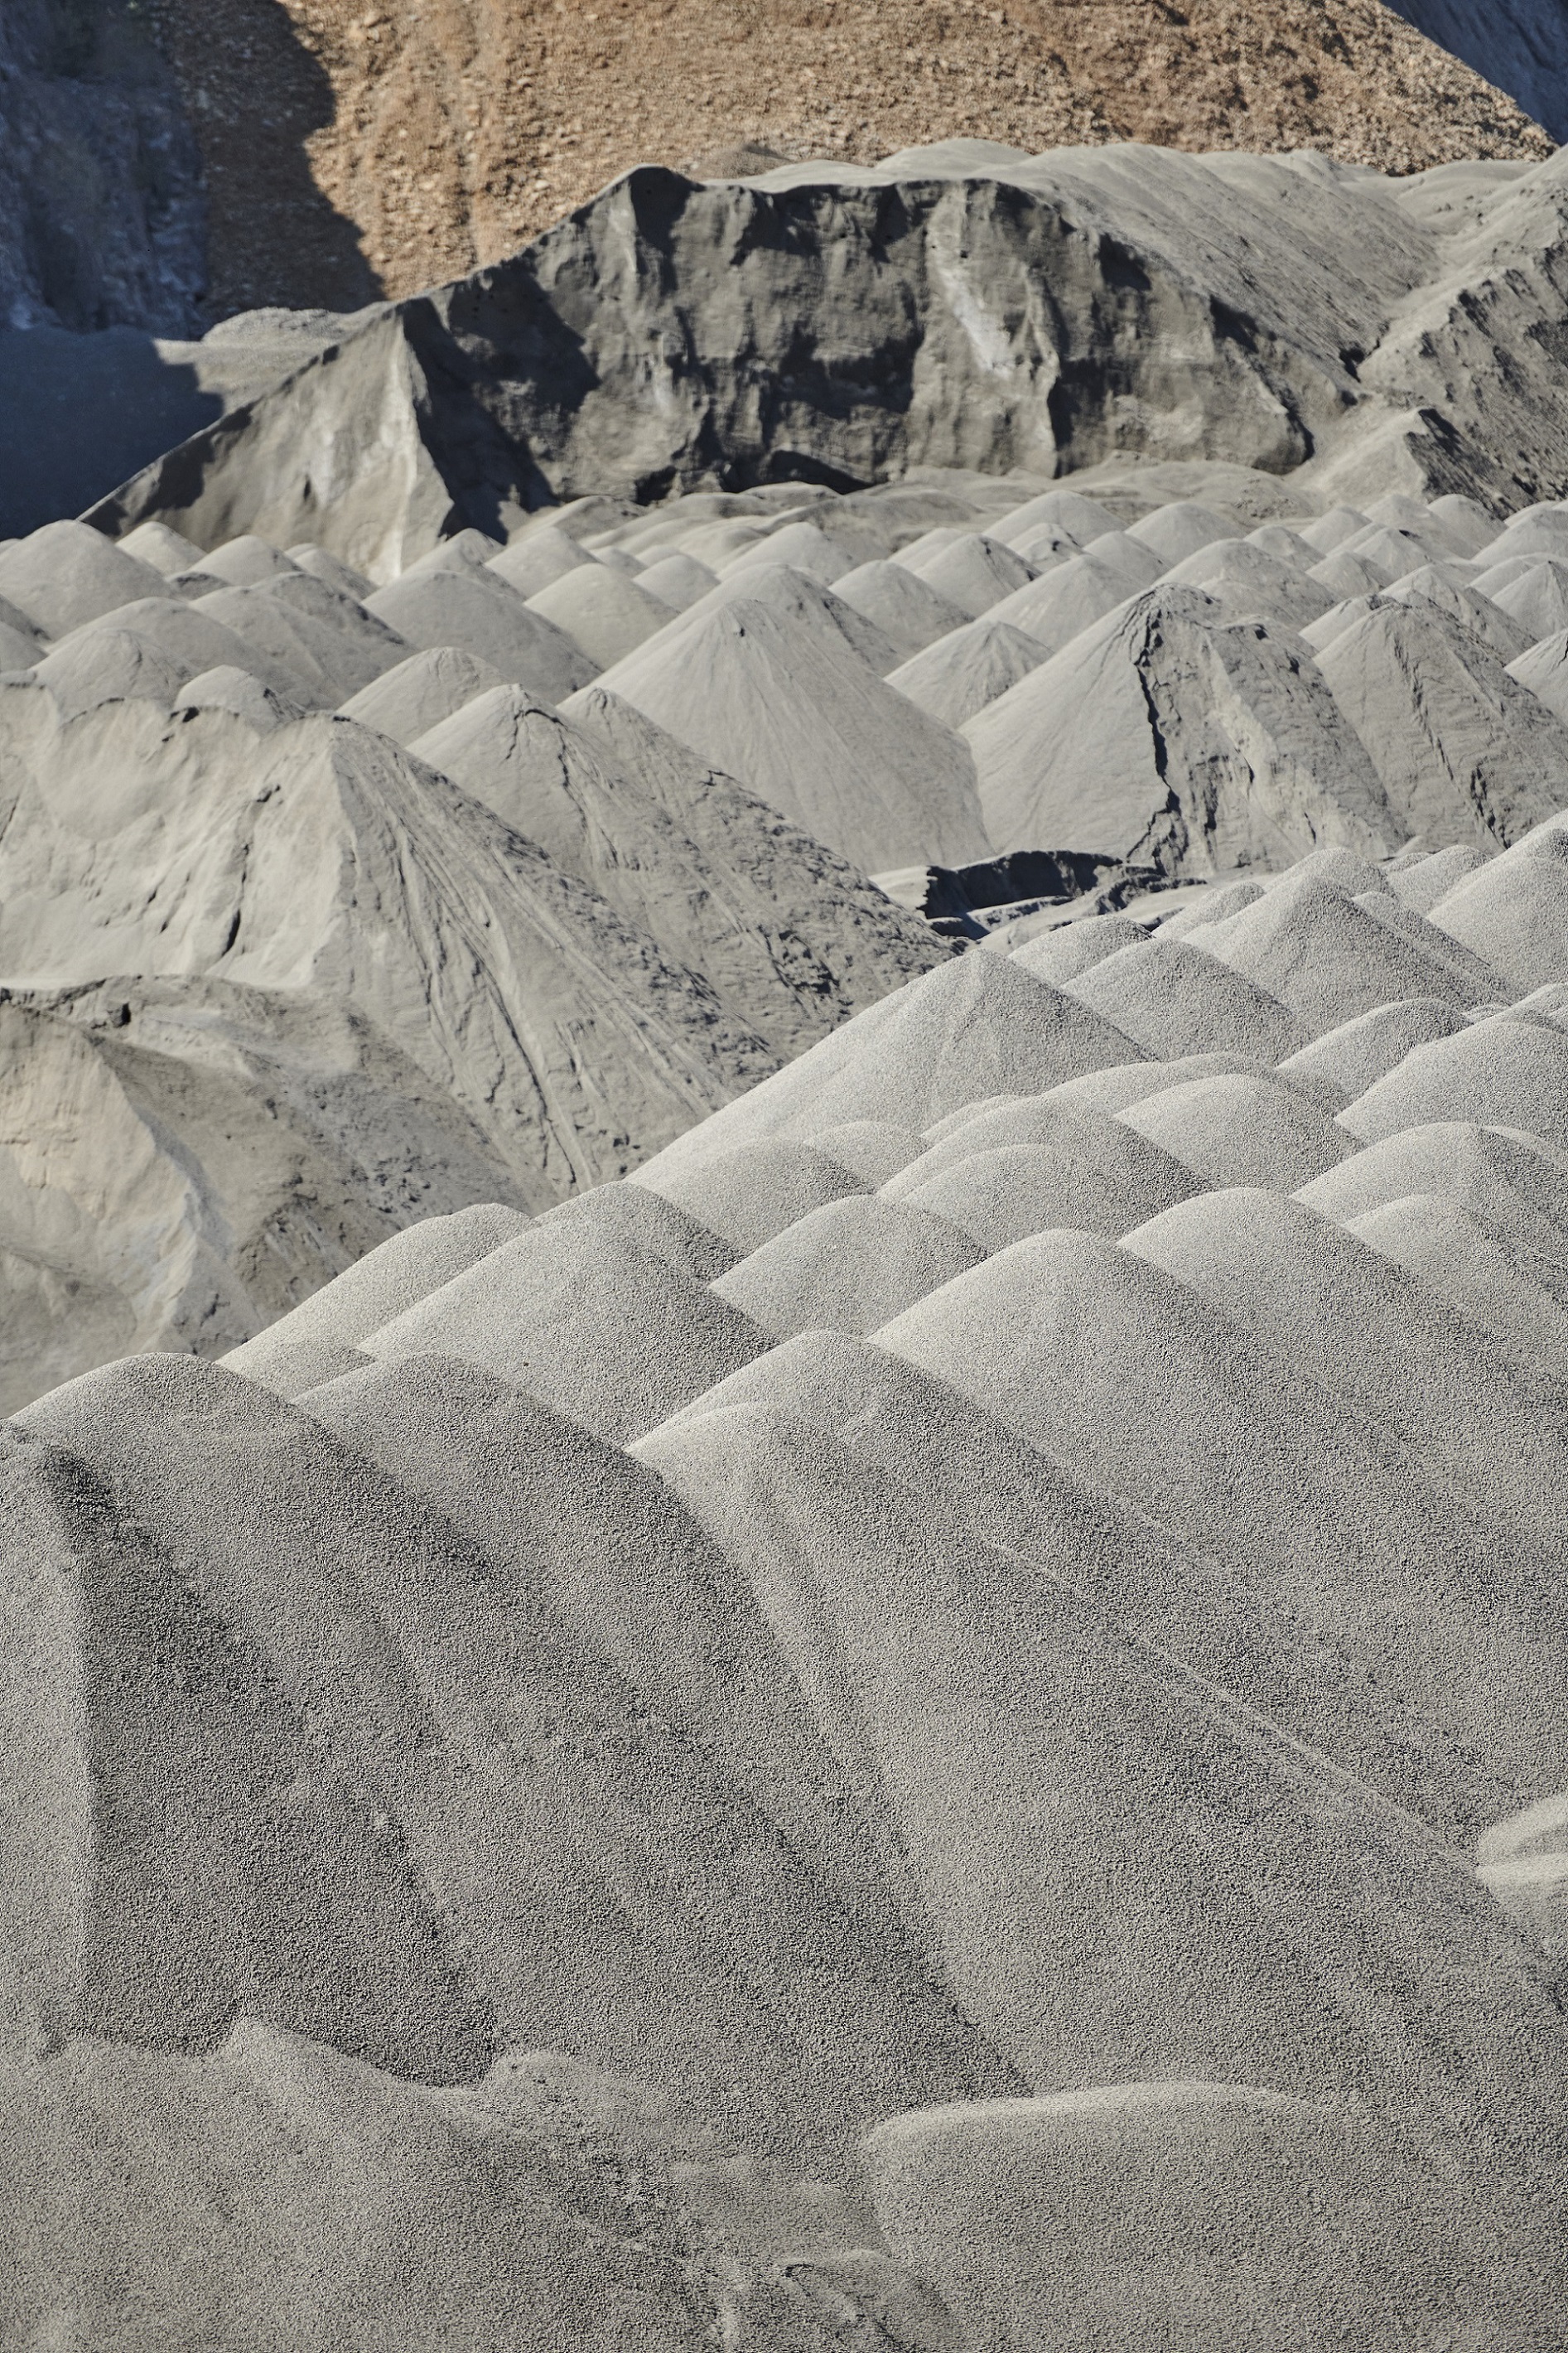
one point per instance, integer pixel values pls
(784, 1283)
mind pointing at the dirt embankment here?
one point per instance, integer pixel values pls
(357, 144)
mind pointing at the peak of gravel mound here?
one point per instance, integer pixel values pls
(770, 689)
(1167, 737)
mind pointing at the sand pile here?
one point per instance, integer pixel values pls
(672, 829)
(864, 1615)
(1001, 1495)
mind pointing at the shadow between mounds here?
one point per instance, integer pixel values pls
(78, 413)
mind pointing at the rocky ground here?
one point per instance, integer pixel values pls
(349, 147)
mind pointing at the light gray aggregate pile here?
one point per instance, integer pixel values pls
(166, 551)
(977, 1026)
(1066, 511)
(416, 695)
(477, 609)
(461, 553)
(1515, 1183)
(1369, 1045)
(753, 1191)
(352, 1605)
(245, 562)
(115, 664)
(66, 574)
(1463, 753)
(227, 687)
(1343, 576)
(947, 1584)
(1246, 582)
(1061, 955)
(770, 688)
(872, 1149)
(1002, 1847)
(1211, 906)
(624, 1212)
(805, 600)
(939, 1129)
(1047, 547)
(677, 581)
(1232, 1129)
(1002, 1192)
(1463, 522)
(1098, 1158)
(1513, 910)
(1485, 987)
(193, 640)
(1488, 1277)
(1542, 671)
(315, 1341)
(1331, 530)
(19, 649)
(822, 555)
(1494, 625)
(1395, 551)
(1540, 530)
(969, 571)
(1281, 541)
(332, 569)
(539, 557)
(636, 1578)
(1493, 576)
(1423, 880)
(1537, 599)
(835, 943)
(1339, 618)
(1070, 2219)
(1066, 599)
(781, 934)
(983, 1480)
(1498, 1073)
(1163, 735)
(1327, 956)
(1172, 998)
(324, 859)
(1150, 1393)
(850, 1266)
(910, 613)
(602, 611)
(601, 1327)
(1174, 532)
(1300, 1284)
(1108, 1091)
(960, 673)
(327, 645)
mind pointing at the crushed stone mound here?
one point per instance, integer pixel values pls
(787, 1474)
(770, 689)
(1170, 738)
(850, 1266)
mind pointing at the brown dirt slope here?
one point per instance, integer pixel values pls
(442, 134)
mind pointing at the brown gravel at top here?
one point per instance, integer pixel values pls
(353, 146)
